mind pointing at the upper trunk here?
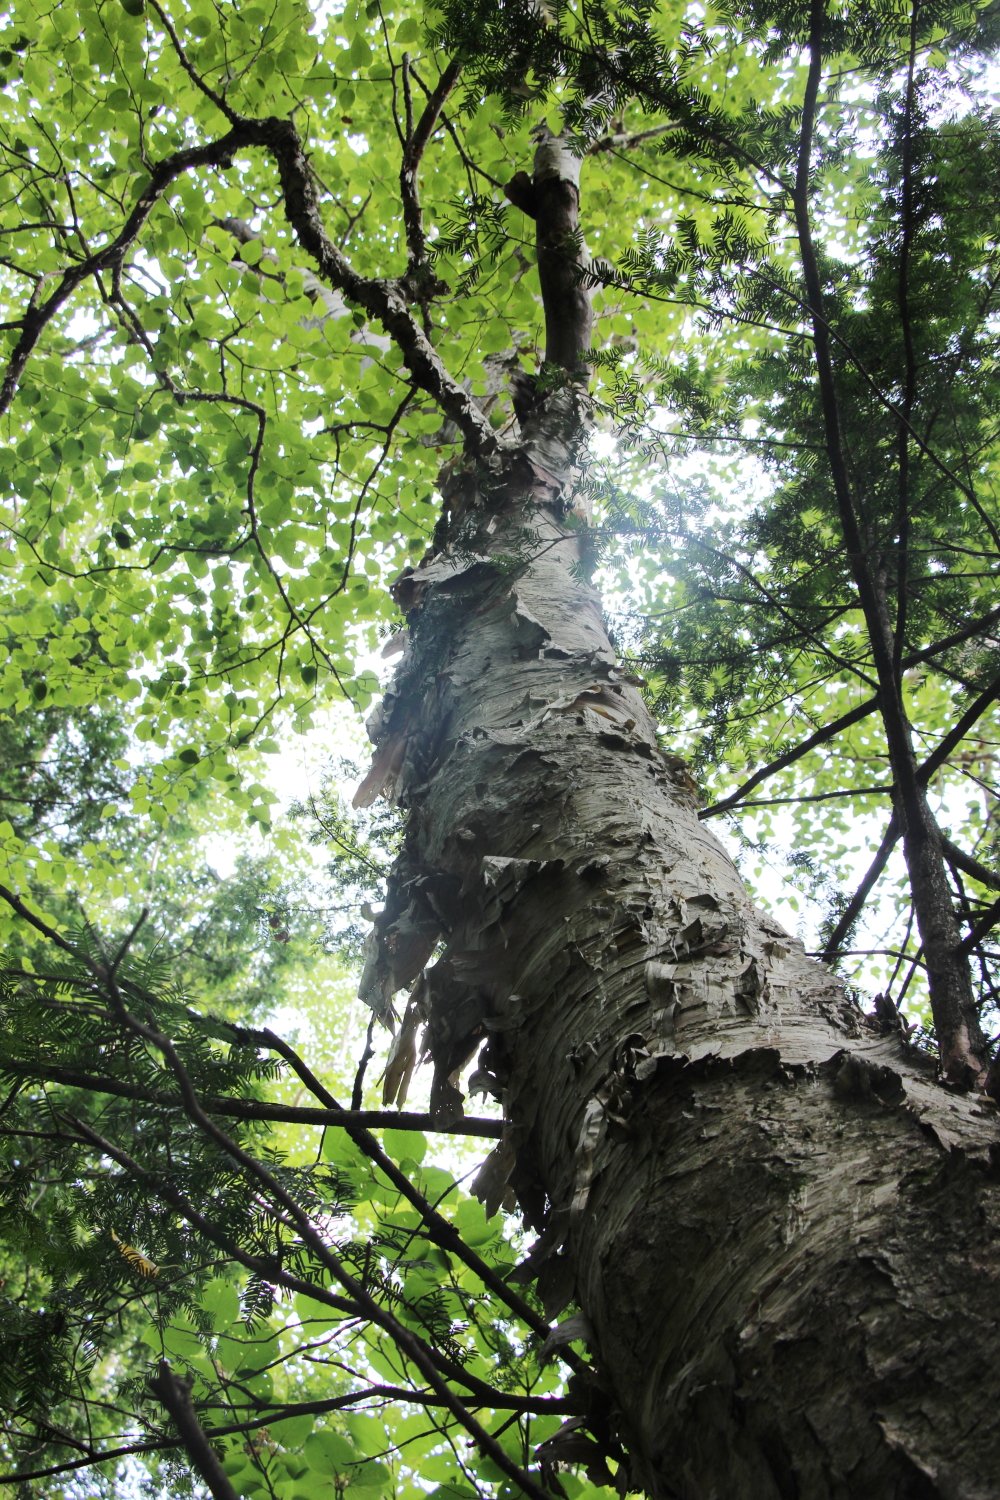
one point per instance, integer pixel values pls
(780, 1228)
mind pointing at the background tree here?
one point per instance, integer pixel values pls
(304, 265)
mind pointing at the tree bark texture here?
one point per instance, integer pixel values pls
(780, 1227)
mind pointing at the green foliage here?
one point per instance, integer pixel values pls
(132, 1232)
(215, 459)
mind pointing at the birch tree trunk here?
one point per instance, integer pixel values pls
(780, 1227)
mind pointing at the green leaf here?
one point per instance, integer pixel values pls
(405, 1145)
(221, 1300)
(330, 1453)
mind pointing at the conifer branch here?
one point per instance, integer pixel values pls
(248, 1109)
(440, 1230)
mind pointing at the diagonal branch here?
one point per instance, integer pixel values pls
(383, 299)
(969, 865)
(891, 836)
(959, 730)
(386, 300)
(782, 762)
(851, 912)
(221, 104)
(985, 925)
(175, 1395)
(439, 1229)
(435, 1367)
(853, 716)
(413, 152)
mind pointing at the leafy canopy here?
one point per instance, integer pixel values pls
(254, 262)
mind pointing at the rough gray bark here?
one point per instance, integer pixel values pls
(780, 1227)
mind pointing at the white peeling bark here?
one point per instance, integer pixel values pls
(781, 1229)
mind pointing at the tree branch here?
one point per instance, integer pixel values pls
(428, 1361)
(175, 1394)
(250, 1109)
(852, 910)
(499, 1401)
(970, 866)
(985, 924)
(217, 154)
(441, 1231)
(964, 1055)
(385, 300)
(845, 721)
(413, 152)
(959, 729)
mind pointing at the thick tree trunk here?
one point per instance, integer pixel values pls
(781, 1229)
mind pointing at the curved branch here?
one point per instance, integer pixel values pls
(413, 152)
(174, 1394)
(385, 300)
(217, 153)
(851, 912)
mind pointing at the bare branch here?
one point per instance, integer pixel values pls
(626, 140)
(854, 716)
(985, 924)
(970, 866)
(959, 729)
